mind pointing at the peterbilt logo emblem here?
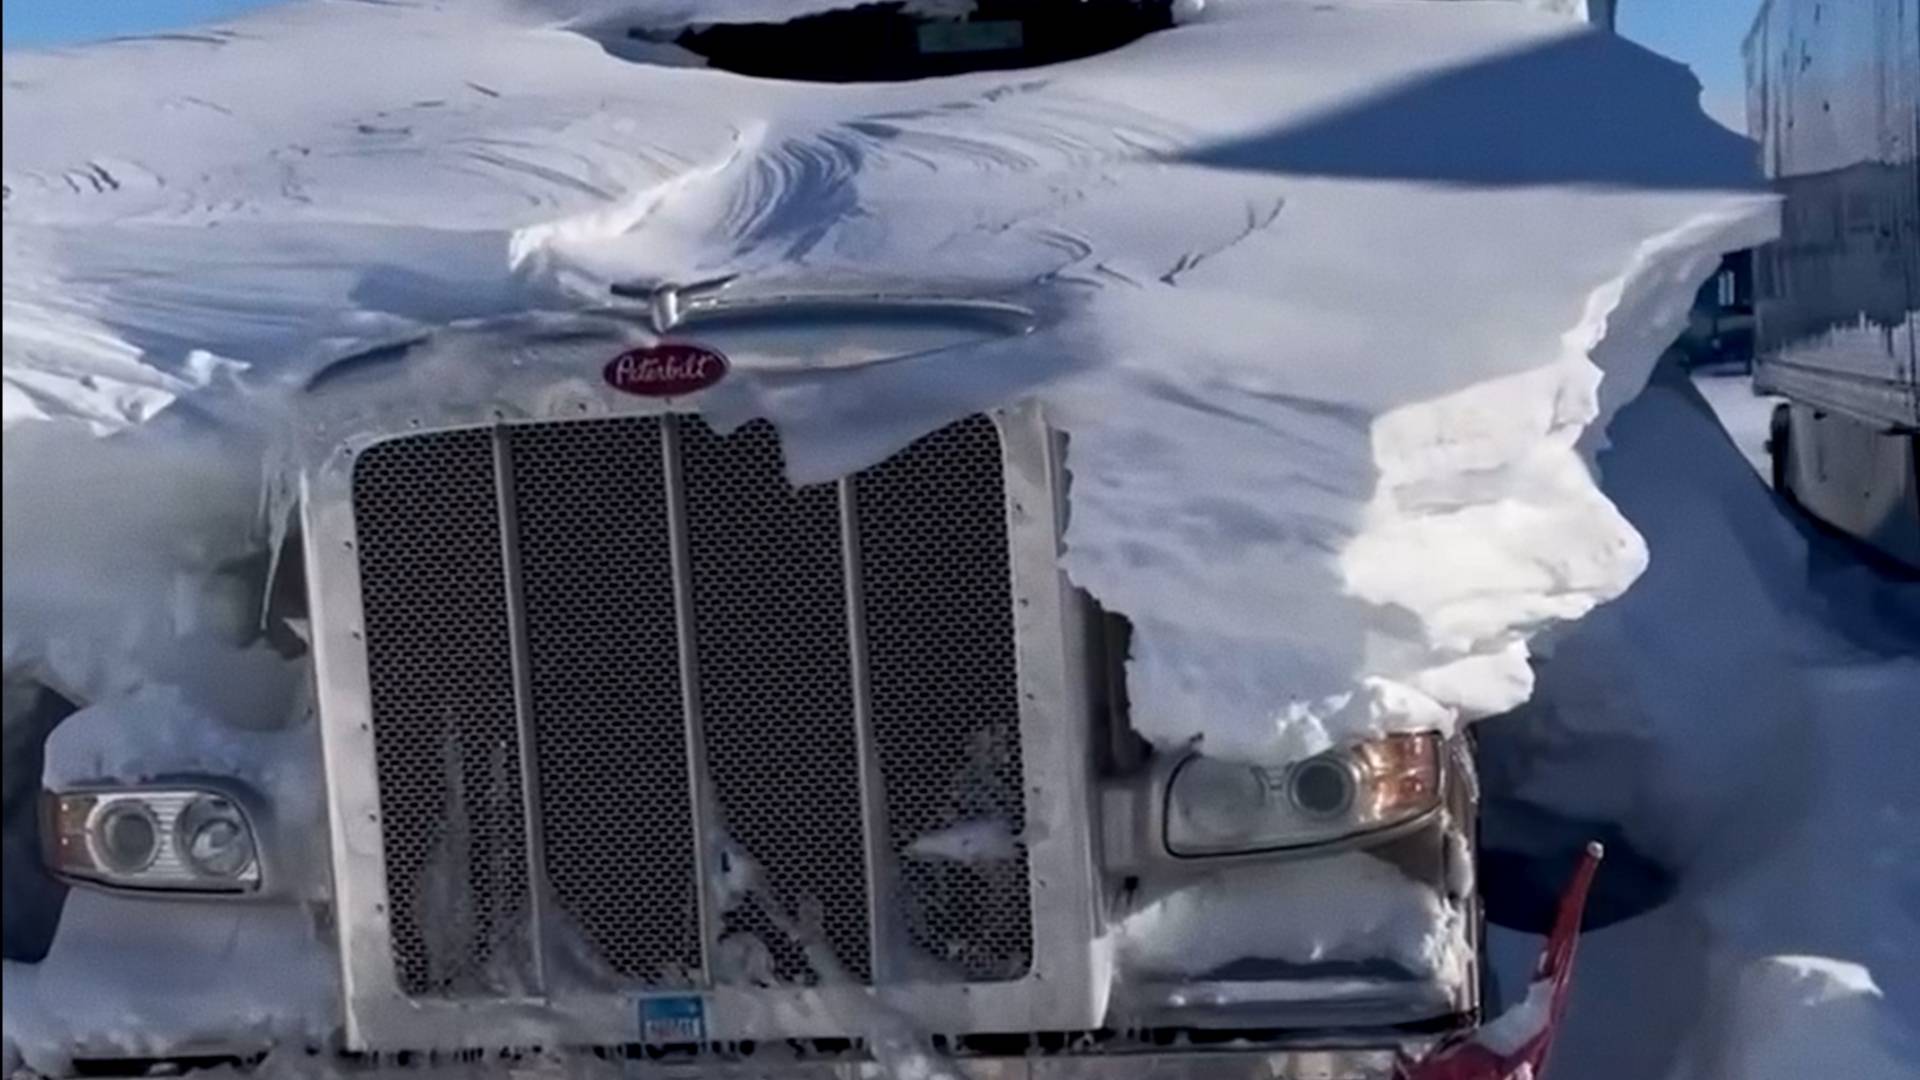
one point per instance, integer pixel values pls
(665, 370)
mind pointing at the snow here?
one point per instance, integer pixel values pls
(181, 975)
(1350, 907)
(984, 840)
(1745, 712)
(107, 593)
(1745, 413)
(1792, 1016)
(1292, 334)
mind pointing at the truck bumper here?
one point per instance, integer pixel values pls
(1335, 1063)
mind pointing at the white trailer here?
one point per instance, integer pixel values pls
(1834, 101)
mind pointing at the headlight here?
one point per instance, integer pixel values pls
(125, 837)
(1223, 807)
(214, 839)
(175, 840)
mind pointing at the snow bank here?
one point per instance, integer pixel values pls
(1325, 306)
(183, 975)
(1796, 1016)
(1745, 414)
(1745, 712)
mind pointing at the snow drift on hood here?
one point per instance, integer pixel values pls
(1340, 289)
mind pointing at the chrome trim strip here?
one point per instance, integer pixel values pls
(872, 795)
(670, 306)
(344, 695)
(1348, 1058)
(697, 786)
(524, 720)
(1056, 722)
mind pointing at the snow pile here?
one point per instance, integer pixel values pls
(1324, 300)
(1746, 416)
(1745, 712)
(1351, 907)
(182, 976)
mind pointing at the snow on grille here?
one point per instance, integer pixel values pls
(776, 693)
(611, 723)
(439, 662)
(577, 568)
(946, 706)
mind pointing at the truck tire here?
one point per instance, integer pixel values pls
(1780, 450)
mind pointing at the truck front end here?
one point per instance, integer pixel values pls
(631, 748)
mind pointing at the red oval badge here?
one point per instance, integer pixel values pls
(665, 370)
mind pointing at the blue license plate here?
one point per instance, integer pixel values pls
(673, 1020)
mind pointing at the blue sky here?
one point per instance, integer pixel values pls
(61, 22)
(1703, 33)
(1706, 35)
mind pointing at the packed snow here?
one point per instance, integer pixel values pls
(1334, 330)
(1746, 415)
(1347, 908)
(1746, 714)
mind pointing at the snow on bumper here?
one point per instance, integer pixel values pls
(130, 978)
(131, 975)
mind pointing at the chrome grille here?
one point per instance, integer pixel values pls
(439, 659)
(776, 698)
(946, 701)
(694, 691)
(610, 730)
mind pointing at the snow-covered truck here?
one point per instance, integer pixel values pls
(1834, 102)
(754, 578)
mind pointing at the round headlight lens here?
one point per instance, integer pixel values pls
(214, 838)
(1322, 787)
(1219, 801)
(126, 837)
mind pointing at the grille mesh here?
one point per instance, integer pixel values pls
(945, 693)
(776, 694)
(774, 699)
(445, 736)
(615, 804)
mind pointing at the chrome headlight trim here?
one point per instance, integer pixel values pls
(74, 823)
(1134, 812)
(1377, 800)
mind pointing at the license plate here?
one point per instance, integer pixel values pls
(673, 1020)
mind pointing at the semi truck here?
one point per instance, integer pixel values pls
(621, 743)
(1833, 99)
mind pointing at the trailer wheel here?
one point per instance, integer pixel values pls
(1780, 449)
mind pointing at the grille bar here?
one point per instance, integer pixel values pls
(945, 699)
(776, 706)
(688, 656)
(616, 798)
(439, 661)
(861, 670)
(522, 673)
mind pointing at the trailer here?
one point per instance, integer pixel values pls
(1833, 99)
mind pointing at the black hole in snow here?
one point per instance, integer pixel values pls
(889, 43)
